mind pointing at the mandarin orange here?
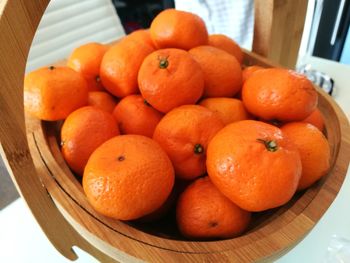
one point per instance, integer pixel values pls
(52, 93)
(86, 59)
(227, 44)
(82, 132)
(102, 100)
(279, 94)
(222, 72)
(169, 78)
(313, 148)
(178, 29)
(228, 109)
(136, 116)
(128, 177)
(203, 212)
(120, 66)
(254, 165)
(184, 134)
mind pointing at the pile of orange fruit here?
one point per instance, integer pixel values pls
(173, 104)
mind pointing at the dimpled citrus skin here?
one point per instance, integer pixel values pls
(279, 94)
(227, 44)
(179, 82)
(222, 72)
(178, 29)
(120, 66)
(242, 168)
(180, 131)
(203, 212)
(313, 148)
(52, 93)
(128, 177)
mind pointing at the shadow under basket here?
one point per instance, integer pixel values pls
(271, 233)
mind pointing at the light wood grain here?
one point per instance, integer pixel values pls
(278, 29)
(56, 199)
(18, 23)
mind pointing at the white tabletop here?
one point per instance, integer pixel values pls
(21, 239)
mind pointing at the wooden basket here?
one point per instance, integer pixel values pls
(56, 199)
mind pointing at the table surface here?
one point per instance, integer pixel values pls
(21, 239)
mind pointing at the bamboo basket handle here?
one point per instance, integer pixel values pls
(278, 28)
(18, 22)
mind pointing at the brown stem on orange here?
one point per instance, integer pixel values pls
(163, 63)
(198, 149)
(270, 145)
(51, 68)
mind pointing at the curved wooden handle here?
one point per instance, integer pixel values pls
(18, 22)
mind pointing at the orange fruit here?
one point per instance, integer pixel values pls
(102, 100)
(254, 165)
(203, 212)
(143, 36)
(120, 65)
(313, 149)
(178, 29)
(86, 60)
(316, 118)
(279, 94)
(184, 134)
(228, 109)
(52, 93)
(128, 177)
(136, 116)
(222, 72)
(82, 132)
(227, 44)
(169, 78)
(248, 71)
